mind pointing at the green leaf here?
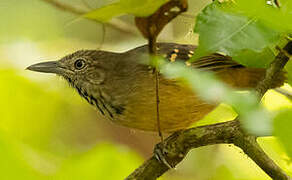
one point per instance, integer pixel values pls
(222, 113)
(277, 18)
(246, 39)
(254, 117)
(134, 7)
(13, 165)
(27, 99)
(254, 59)
(282, 125)
(223, 172)
(102, 162)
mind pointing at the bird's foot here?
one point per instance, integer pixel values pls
(160, 152)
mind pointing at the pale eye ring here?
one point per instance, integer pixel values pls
(79, 64)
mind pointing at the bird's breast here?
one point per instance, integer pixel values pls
(179, 107)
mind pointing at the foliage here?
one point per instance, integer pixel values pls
(246, 39)
(100, 163)
(249, 36)
(283, 126)
(22, 152)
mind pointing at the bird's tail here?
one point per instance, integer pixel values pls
(250, 77)
(235, 74)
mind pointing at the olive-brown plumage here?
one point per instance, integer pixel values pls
(122, 87)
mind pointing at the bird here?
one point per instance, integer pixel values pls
(121, 86)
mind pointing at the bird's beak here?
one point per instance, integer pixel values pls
(47, 67)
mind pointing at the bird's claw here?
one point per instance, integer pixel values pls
(160, 153)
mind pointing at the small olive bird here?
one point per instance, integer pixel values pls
(122, 87)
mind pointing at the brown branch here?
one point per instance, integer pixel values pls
(275, 69)
(178, 144)
(251, 148)
(114, 23)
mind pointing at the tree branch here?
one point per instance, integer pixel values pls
(250, 147)
(275, 69)
(179, 143)
(114, 23)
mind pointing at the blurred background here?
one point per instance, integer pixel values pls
(48, 132)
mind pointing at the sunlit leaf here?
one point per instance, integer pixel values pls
(221, 114)
(134, 7)
(246, 39)
(283, 124)
(223, 172)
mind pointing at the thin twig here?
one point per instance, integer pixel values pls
(153, 51)
(65, 7)
(114, 23)
(157, 103)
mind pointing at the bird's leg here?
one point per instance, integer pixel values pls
(160, 152)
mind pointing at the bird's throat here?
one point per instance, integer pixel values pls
(104, 106)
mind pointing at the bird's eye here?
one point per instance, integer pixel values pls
(79, 64)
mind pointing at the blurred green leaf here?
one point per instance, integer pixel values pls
(277, 18)
(246, 39)
(29, 112)
(254, 117)
(282, 125)
(13, 166)
(26, 109)
(103, 162)
(134, 7)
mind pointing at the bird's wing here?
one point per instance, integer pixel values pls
(229, 71)
(181, 52)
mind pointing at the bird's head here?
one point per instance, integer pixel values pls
(81, 69)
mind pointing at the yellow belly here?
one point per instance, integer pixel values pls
(179, 107)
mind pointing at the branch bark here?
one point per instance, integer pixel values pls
(179, 143)
(114, 23)
(275, 69)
